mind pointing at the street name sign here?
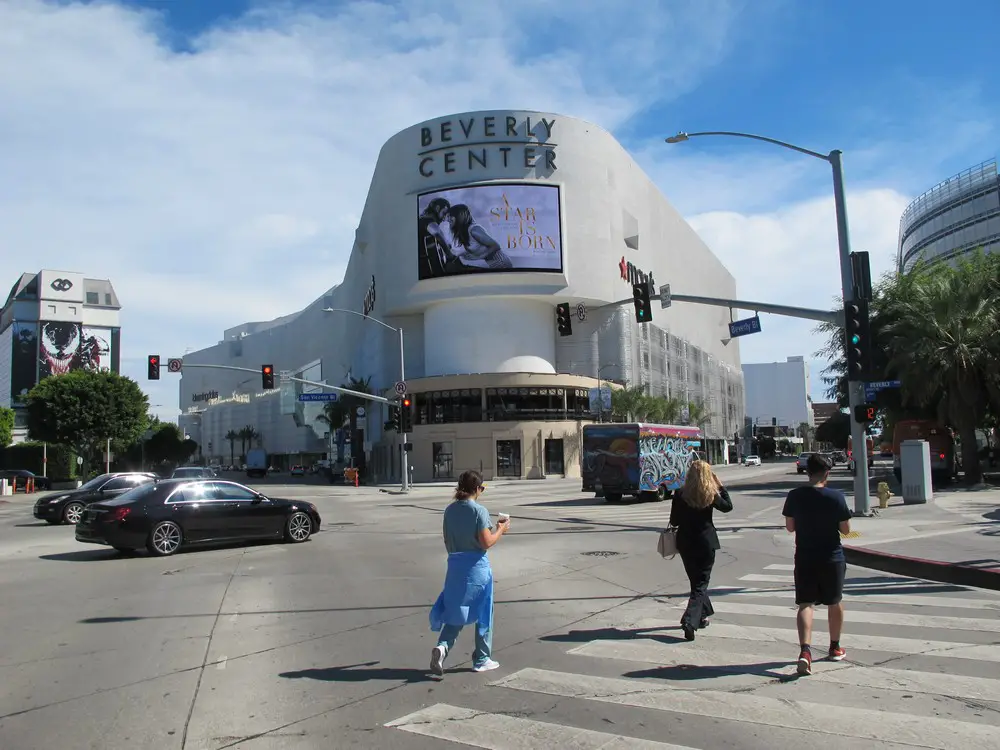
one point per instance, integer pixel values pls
(319, 396)
(744, 327)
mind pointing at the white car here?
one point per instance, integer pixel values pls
(751, 461)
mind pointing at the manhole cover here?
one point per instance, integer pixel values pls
(600, 553)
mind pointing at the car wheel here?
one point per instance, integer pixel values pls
(165, 539)
(298, 528)
(72, 513)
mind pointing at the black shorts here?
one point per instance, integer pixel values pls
(819, 582)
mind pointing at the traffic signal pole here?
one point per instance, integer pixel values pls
(406, 456)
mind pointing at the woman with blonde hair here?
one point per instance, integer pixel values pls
(697, 539)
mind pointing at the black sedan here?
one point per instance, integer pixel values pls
(165, 516)
(18, 479)
(68, 507)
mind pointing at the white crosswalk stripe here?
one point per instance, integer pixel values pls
(740, 672)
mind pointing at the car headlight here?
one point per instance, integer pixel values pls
(55, 499)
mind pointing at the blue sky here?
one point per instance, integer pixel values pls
(181, 144)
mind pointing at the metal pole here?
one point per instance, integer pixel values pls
(107, 458)
(402, 379)
(854, 389)
(600, 398)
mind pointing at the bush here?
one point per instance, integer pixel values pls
(62, 460)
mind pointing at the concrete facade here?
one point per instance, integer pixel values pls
(959, 215)
(779, 391)
(596, 224)
(53, 322)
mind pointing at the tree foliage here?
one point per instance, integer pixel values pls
(6, 426)
(83, 409)
(935, 329)
(636, 405)
(835, 430)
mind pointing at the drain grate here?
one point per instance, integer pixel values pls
(600, 553)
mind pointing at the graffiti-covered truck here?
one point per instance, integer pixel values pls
(641, 460)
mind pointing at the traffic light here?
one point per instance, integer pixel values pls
(405, 416)
(563, 320)
(267, 376)
(153, 367)
(640, 295)
(858, 339)
(393, 423)
(864, 413)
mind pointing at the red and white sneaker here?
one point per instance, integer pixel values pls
(837, 653)
(805, 663)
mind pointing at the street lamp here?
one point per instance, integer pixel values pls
(855, 388)
(402, 379)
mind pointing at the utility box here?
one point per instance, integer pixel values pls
(915, 466)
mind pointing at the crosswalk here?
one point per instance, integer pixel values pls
(922, 670)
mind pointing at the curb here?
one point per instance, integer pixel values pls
(929, 570)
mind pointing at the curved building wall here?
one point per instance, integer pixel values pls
(954, 217)
(575, 219)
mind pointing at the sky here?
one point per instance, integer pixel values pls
(185, 149)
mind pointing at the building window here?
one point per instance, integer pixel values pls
(93, 298)
(514, 404)
(508, 458)
(449, 407)
(577, 403)
(554, 463)
(442, 460)
(107, 300)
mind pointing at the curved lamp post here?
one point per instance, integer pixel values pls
(855, 388)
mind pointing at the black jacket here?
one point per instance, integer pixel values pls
(695, 530)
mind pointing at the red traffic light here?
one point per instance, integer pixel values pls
(267, 370)
(154, 360)
(406, 402)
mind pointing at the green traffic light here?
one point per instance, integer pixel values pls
(855, 339)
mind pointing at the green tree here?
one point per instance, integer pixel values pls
(83, 409)
(345, 409)
(232, 436)
(6, 426)
(167, 445)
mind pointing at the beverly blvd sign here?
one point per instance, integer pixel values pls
(744, 327)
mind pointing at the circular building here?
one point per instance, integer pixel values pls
(476, 227)
(954, 217)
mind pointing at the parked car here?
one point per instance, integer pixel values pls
(68, 507)
(18, 479)
(175, 513)
(193, 472)
(751, 461)
(297, 471)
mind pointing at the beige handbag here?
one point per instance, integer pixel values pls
(667, 544)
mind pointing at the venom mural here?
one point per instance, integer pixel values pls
(95, 348)
(58, 348)
(24, 361)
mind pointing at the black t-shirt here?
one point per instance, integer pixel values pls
(818, 512)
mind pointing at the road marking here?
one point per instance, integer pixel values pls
(858, 642)
(503, 732)
(859, 723)
(644, 651)
(222, 662)
(780, 567)
(916, 600)
(766, 511)
(866, 616)
(768, 577)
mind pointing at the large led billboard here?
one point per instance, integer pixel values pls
(499, 227)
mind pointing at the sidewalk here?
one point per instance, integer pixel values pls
(955, 538)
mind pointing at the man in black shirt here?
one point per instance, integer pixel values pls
(818, 516)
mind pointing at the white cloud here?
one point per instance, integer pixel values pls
(182, 169)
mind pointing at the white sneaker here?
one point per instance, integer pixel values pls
(437, 660)
(486, 666)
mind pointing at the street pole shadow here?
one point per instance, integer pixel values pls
(680, 672)
(614, 634)
(361, 672)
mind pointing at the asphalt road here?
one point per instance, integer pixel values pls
(322, 645)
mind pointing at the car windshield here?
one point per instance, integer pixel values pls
(96, 482)
(181, 473)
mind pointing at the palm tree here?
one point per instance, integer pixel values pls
(629, 403)
(698, 413)
(941, 341)
(232, 436)
(345, 409)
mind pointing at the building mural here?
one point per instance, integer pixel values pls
(58, 348)
(23, 361)
(95, 348)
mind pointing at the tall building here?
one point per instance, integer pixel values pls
(777, 393)
(475, 228)
(823, 411)
(51, 323)
(954, 217)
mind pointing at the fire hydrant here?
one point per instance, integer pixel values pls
(884, 493)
